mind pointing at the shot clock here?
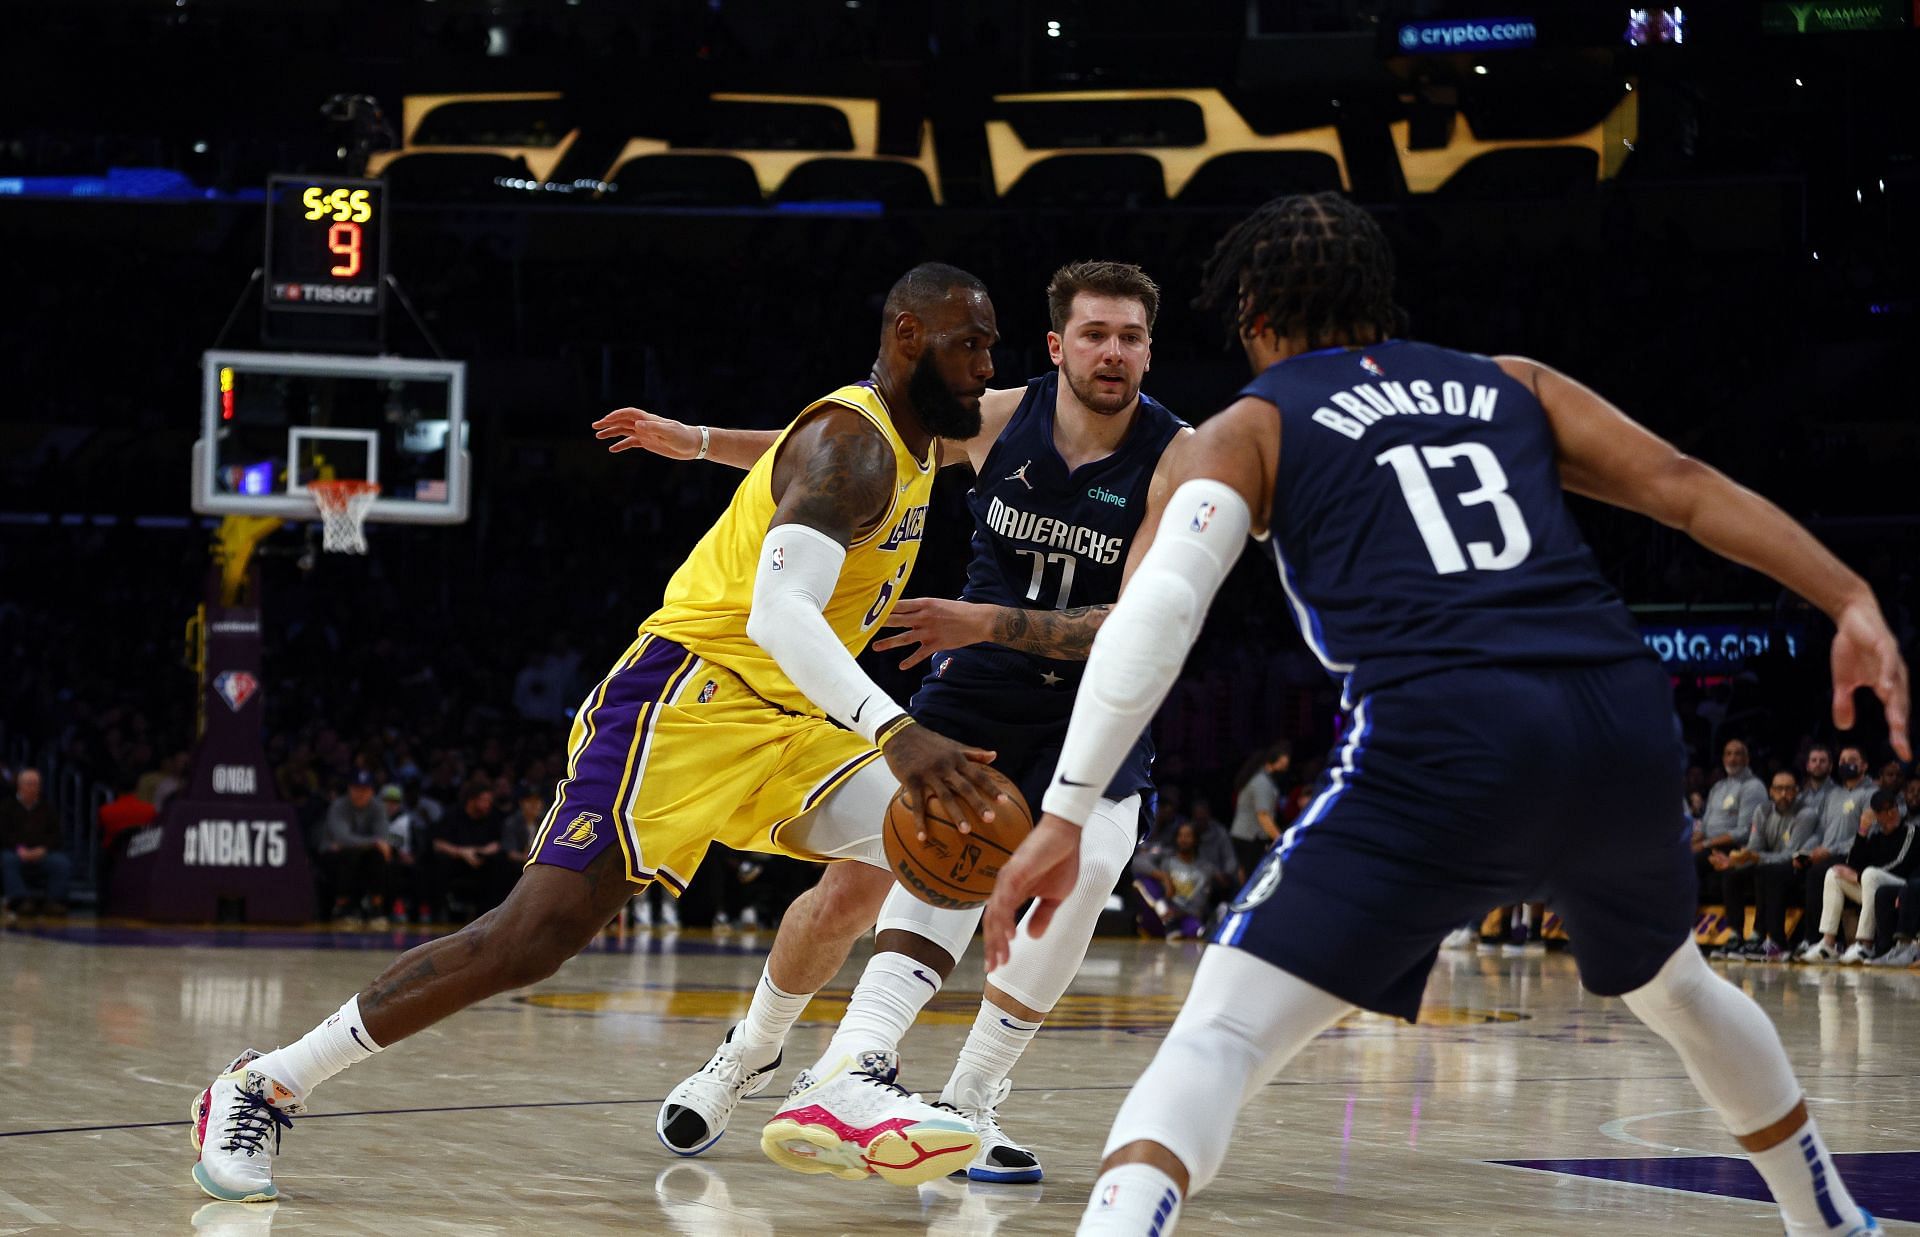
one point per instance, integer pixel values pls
(326, 245)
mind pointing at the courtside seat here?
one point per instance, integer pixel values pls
(1118, 180)
(1252, 177)
(686, 180)
(895, 184)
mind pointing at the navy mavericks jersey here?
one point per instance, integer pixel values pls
(1418, 521)
(1044, 539)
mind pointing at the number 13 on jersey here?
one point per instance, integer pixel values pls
(1430, 517)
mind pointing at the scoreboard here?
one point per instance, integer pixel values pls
(326, 245)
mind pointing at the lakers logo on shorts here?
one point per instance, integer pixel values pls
(1261, 887)
(580, 834)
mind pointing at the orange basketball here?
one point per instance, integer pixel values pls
(951, 869)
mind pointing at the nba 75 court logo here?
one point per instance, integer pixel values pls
(580, 834)
(236, 687)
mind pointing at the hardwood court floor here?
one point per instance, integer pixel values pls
(534, 1113)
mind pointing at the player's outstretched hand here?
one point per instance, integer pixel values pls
(1045, 866)
(1865, 654)
(636, 429)
(934, 624)
(930, 765)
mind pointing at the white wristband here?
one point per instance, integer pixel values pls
(1144, 642)
(706, 442)
(799, 568)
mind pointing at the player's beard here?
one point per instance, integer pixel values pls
(942, 413)
(1092, 398)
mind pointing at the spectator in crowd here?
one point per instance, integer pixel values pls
(1883, 853)
(1696, 807)
(1819, 782)
(1779, 829)
(1731, 805)
(1899, 906)
(30, 849)
(1216, 847)
(1910, 799)
(120, 818)
(1893, 778)
(1256, 804)
(471, 872)
(162, 782)
(1841, 820)
(1177, 883)
(408, 885)
(356, 854)
(518, 828)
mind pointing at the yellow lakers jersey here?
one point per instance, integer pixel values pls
(707, 601)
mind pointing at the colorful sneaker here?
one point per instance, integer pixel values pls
(697, 1111)
(854, 1121)
(1000, 1159)
(232, 1120)
(1765, 951)
(1857, 953)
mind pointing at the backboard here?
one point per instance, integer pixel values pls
(273, 421)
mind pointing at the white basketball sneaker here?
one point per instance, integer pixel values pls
(697, 1111)
(999, 1159)
(236, 1129)
(853, 1121)
(1858, 952)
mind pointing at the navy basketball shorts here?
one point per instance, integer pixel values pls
(983, 698)
(1461, 791)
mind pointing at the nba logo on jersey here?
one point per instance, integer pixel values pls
(1203, 517)
(1372, 367)
(706, 692)
(236, 687)
(579, 834)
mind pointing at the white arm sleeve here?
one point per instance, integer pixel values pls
(799, 567)
(1144, 642)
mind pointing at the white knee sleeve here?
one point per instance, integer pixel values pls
(1038, 969)
(1243, 1020)
(1730, 1049)
(847, 823)
(950, 930)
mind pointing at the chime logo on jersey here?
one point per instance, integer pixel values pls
(913, 522)
(236, 687)
(580, 834)
(706, 692)
(1203, 517)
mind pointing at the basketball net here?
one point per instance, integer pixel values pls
(343, 513)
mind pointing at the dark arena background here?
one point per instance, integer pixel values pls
(249, 244)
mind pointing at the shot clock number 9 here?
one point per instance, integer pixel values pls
(349, 208)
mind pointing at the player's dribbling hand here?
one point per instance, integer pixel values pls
(933, 624)
(929, 765)
(637, 429)
(1044, 867)
(1865, 654)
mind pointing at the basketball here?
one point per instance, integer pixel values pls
(951, 869)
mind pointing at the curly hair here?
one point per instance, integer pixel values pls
(1121, 279)
(1310, 264)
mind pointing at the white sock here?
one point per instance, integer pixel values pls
(1805, 1183)
(890, 995)
(1137, 1200)
(992, 1049)
(769, 1018)
(340, 1041)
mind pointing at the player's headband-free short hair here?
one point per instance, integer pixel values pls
(1117, 279)
(1313, 265)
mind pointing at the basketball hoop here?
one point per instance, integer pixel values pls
(343, 513)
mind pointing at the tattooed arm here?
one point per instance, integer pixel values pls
(930, 624)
